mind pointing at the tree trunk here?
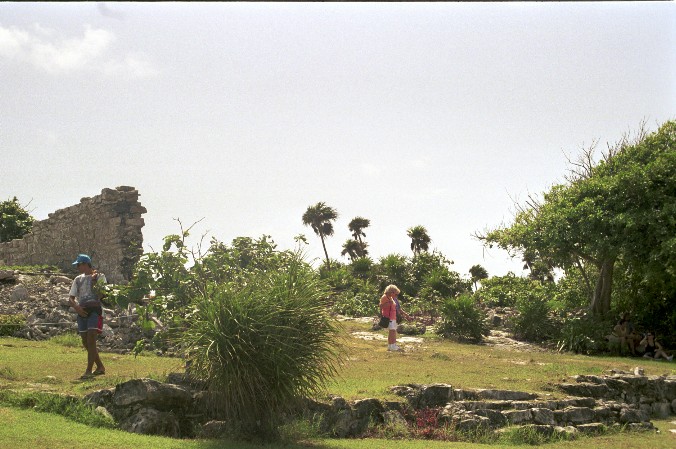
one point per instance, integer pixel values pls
(601, 301)
(328, 263)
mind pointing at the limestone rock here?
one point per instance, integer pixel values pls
(568, 432)
(591, 428)
(586, 389)
(104, 412)
(518, 416)
(506, 395)
(496, 419)
(632, 415)
(20, 293)
(151, 393)
(394, 418)
(434, 395)
(543, 416)
(55, 280)
(148, 421)
(661, 410)
(212, 429)
(578, 415)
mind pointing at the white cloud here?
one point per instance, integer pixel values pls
(45, 49)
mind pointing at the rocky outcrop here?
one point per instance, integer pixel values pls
(42, 299)
(176, 409)
(147, 406)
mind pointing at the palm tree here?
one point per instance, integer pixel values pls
(354, 249)
(351, 248)
(357, 226)
(478, 273)
(420, 240)
(320, 217)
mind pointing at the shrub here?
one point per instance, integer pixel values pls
(533, 322)
(504, 291)
(68, 406)
(585, 334)
(463, 319)
(10, 324)
(356, 304)
(262, 345)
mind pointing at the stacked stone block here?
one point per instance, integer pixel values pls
(106, 226)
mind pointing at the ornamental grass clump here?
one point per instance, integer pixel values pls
(261, 345)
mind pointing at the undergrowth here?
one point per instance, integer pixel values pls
(68, 406)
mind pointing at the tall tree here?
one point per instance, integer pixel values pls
(320, 218)
(351, 248)
(420, 240)
(15, 220)
(621, 208)
(478, 273)
(357, 226)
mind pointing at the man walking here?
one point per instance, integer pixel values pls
(86, 288)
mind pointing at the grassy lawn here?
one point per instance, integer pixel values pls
(369, 368)
(52, 366)
(26, 429)
(367, 372)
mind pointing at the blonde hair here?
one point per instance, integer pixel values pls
(391, 288)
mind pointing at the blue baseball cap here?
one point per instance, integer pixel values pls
(82, 258)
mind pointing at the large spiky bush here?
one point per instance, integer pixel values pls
(262, 344)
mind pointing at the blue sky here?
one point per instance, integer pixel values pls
(245, 114)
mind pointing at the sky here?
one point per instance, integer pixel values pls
(245, 114)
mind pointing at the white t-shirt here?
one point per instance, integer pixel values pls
(82, 288)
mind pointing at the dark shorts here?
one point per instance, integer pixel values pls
(94, 322)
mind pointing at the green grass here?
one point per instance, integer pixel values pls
(55, 365)
(369, 369)
(27, 429)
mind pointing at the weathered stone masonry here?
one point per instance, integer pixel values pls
(107, 227)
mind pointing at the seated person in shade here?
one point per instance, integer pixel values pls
(627, 333)
(654, 350)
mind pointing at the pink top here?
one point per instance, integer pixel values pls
(388, 309)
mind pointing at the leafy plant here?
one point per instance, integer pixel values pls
(70, 407)
(584, 334)
(11, 323)
(262, 345)
(463, 319)
(15, 220)
(533, 322)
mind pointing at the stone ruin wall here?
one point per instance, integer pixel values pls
(107, 227)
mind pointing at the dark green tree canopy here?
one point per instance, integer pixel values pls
(621, 210)
(478, 273)
(15, 220)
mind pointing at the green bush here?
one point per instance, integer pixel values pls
(356, 304)
(463, 319)
(504, 291)
(533, 322)
(262, 345)
(11, 323)
(68, 406)
(585, 334)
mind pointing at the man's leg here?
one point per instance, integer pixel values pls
(92, 353)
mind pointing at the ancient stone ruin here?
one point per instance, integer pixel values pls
(107, 227)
